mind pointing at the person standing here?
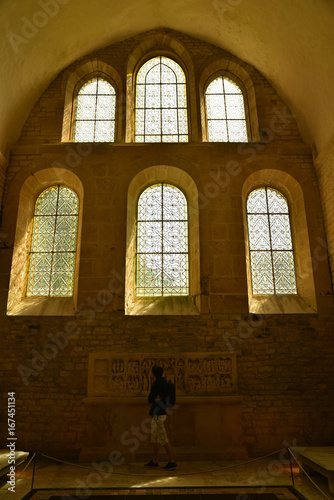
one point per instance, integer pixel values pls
(157, 398)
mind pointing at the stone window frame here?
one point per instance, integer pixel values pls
(73, 82)
(170, 305)
(305, 300)
(237, 74)
(33, 185)
(161, 44)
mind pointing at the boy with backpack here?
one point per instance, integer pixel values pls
(161, 396)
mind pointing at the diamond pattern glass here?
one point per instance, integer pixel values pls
(95, 112)
(162, 242)
(262, 276)
(270, 243)
(225, 111)
(284, 275)
(53, 244)
(161, 102)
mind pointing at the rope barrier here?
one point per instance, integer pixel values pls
(155, 475)
(289, 449)
(182, 474)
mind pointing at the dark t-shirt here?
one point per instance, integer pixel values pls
(159, 390)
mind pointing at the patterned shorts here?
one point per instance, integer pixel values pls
(158, 431)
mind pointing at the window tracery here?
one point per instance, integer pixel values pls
(270, 243)
(95, 113)
(53, 244)
(225, 110)
(161, 102)
(162, 242)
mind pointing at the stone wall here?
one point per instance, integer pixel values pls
(283, 361)
(284, 373)
(324, 166)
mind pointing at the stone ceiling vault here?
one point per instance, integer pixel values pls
(289, 42)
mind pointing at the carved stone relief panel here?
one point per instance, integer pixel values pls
(194, 374)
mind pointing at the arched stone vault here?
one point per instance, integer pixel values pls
(289, 42)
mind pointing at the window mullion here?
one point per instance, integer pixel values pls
(161, 122)
(162, 238)
(53, 241)
(270, 242)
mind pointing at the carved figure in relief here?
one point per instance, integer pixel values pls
(209, 366)
(170, 375)
(133, 383)
(195, 384)
(180, 375)
(212, 366)
(181, 385)
(212, 384)
(164, 363)
(117, 366)
(204, 365)
(224, 365)
(146, 365)
(146, 383)
(180, 363)
(194, 366)
(133, 366)
(117, 383)
(198, 374)
(226, 382)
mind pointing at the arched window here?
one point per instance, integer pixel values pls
(162, 242)
(161, 102)
(53, 244)
(95, 112)
(225, 110)
(270, 243)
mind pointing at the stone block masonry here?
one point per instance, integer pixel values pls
(283, 363)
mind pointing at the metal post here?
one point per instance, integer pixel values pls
(290, 460)
(33, 471)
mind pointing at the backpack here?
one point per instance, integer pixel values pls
(171, 396)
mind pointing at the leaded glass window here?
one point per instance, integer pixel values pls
(161, 102)
(53, 244)
(95, 112)
(270, 243)
(162, 242)
(225, 110)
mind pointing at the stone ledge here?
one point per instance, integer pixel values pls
(184, 400)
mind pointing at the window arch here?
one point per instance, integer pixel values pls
(162, 242)
(182, 223)
(161, 102)
(53, 244)
(225, 111)
(270, 243)
(95, 112)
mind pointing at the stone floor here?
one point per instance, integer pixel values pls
(263, 474)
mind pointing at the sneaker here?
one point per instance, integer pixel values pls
(170, 465)
(151, 464)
